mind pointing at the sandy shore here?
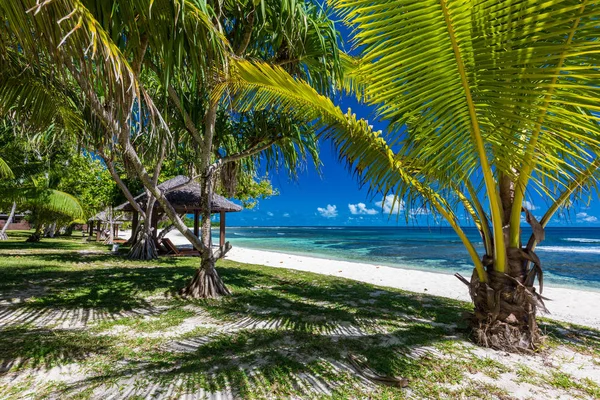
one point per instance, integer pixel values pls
(569, 305)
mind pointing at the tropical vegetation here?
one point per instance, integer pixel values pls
(39, 180)
(484, 102)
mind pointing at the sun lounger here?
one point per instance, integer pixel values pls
(174, 251)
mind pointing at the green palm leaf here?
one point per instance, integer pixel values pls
(56, 201)
(484, 87)
(263, 86)
(88, 44)
(5, 171)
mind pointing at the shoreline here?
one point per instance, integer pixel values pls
(409, 267)
(577, 306)
(566, 305)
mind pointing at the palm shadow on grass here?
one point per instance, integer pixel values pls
(75, 290)
(17, 241)
(285, 333)
(34, 348)
(111, 288)
(287, 329)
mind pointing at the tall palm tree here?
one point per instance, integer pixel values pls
(486, 101)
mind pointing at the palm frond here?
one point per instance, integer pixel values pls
(36, 98)
(53, 200)
(5, 171)
(527, 66)
(263, 87)
(67, 32)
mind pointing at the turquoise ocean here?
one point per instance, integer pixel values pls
(570, 256)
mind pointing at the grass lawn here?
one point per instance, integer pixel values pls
(78, 322)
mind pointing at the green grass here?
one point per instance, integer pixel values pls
(283, 333)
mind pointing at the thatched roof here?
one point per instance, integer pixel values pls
(185, 197)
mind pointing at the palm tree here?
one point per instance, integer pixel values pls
(6, 173)
(486, 101)
(31, 186)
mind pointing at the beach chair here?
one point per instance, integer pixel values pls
(174, 251)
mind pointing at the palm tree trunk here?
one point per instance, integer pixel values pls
(506, 305)
(144, 245)
(165, 232)
(111, 228)
(11, 215)
(37, 235)
(207, 283)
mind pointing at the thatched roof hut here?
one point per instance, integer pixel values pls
(184, 195)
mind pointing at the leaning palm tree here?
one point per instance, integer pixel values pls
(31, 186)
(485, 101)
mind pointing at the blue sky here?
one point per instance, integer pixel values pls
(335, 199)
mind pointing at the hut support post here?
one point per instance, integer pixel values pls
(98, 231)
(90, 228)
(196, 223)
(222, 229)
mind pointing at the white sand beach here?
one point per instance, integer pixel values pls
(568, 305)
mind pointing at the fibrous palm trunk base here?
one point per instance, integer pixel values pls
(3, 236)
(206, 283)
(506, 306)
(144, 248)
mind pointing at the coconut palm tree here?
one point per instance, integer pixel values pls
(485, 102)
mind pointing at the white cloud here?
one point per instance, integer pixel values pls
(585, 217)
(419, 211)
(528, 205)
(328, 212)
(388, 204)
(286, 215)
(361, 208)
(270, 214)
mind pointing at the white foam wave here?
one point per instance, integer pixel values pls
(582, 240)
(570, 249)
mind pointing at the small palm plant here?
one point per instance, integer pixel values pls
(485, 101)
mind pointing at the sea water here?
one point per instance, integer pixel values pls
(570, 256)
